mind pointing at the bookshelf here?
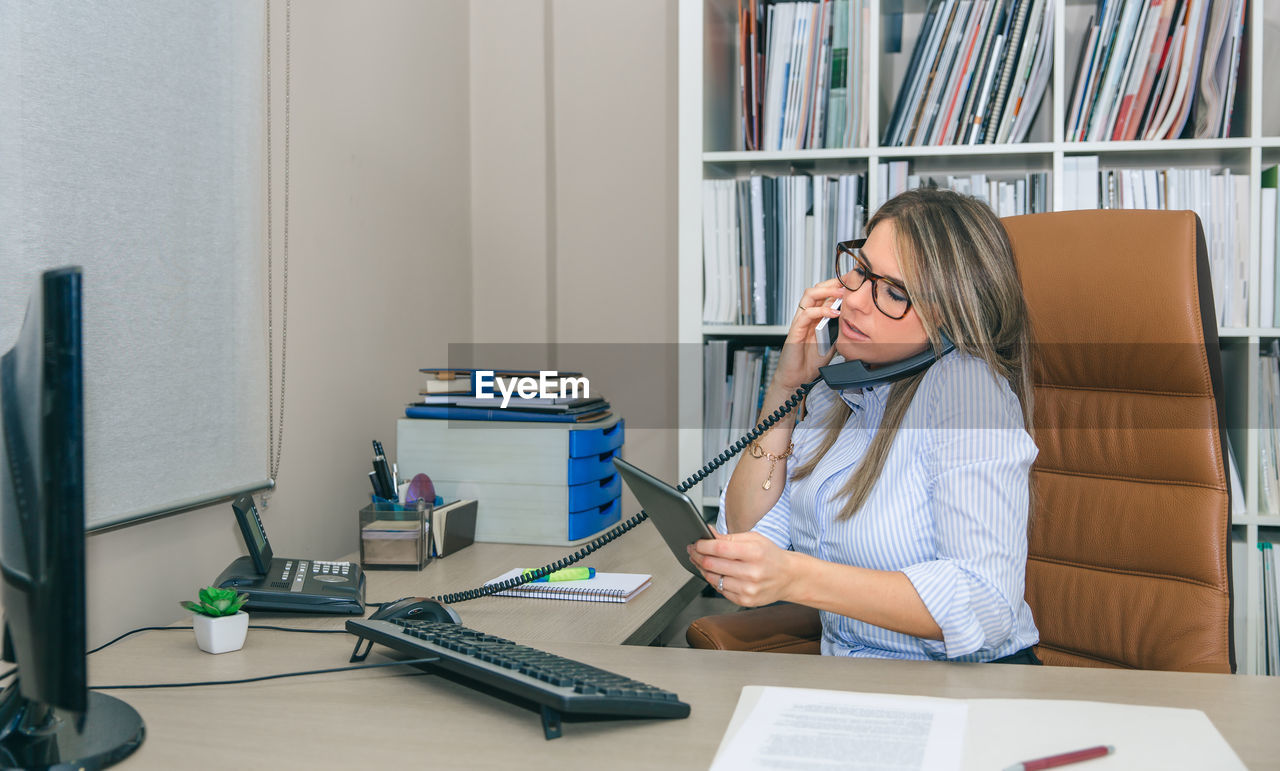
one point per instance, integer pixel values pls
(707, 148)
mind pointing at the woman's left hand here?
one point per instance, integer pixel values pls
(755, 570)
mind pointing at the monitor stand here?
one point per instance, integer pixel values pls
(34, 735)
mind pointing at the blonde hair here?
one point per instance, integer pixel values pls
(958, 267)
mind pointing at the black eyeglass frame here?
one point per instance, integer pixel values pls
(852, 248)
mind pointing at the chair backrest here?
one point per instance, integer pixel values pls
(1129, 560)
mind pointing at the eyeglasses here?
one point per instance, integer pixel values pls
(853, 270)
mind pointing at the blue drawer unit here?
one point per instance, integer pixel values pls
(583, 524)
(593, 441)
(593, 494)
(537, 483)
(592, 467)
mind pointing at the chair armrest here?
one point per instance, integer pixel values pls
(782, 628)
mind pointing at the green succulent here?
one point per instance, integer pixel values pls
(217, 602)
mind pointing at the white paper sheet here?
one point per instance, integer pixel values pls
(802, 728)
(798, 728)
(1007, 731)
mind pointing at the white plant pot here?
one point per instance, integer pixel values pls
(220, 635)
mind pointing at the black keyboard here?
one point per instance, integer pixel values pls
(557, 684)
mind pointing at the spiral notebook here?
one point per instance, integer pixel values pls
(604, 587)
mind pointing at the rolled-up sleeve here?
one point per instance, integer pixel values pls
(979, 475)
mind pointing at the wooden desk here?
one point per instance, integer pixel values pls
(636, 622)
(385, 718)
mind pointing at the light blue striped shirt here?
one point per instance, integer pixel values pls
(949, 511)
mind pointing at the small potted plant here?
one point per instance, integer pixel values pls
(219, 623)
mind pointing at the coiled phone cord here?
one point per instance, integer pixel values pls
(607, 538)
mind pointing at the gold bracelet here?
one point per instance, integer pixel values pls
(759, 452)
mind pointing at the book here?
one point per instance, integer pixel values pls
(925, 43)
(1270, 612)
(536, 403)
(453, 527)
(1155, 60)
(1001, 89)
(1082, 75)
(456, 386)
(1271, 236)
(456, 380)
(604, 587)
(448, 412)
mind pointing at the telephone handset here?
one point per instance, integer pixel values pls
(854, 374)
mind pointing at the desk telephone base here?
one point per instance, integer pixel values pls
(291, 584)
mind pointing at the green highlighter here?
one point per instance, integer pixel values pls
(566, 574)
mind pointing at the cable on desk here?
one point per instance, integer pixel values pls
(174, 628)
(266, 677)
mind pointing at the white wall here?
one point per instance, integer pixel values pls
(496, 171)
(573, 198)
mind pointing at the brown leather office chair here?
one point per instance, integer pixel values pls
(1129, 560)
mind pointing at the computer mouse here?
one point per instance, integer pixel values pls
(416, 609)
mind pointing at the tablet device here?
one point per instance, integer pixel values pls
(677, 518)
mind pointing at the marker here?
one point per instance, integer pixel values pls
(1066, 758)
(566, 574)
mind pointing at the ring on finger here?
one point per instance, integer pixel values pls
(720, 585)
(801, 307)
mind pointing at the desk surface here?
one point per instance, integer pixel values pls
(638, 621)
(385, 718)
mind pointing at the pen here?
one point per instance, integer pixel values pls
(565, 574)
(1066, 758)
(384, 472)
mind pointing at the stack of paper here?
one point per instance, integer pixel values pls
(775, 728)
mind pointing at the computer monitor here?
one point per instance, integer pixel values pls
(48, 716)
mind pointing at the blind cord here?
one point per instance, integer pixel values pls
(275, 435)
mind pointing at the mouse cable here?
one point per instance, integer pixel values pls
(267, 677)
(618, 530)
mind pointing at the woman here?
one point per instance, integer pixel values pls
(899, 511)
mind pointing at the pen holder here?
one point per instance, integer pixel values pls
(394, 537)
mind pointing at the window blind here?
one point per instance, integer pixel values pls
(131, 142)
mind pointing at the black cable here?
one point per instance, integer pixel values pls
(169, 628)
(297, 629)
(607, 538)
(265, 677)
(135, 631)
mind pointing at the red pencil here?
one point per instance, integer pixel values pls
(1053, 761)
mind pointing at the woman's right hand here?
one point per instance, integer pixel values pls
(800, 357)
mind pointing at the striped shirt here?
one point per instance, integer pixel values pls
(949, 511)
